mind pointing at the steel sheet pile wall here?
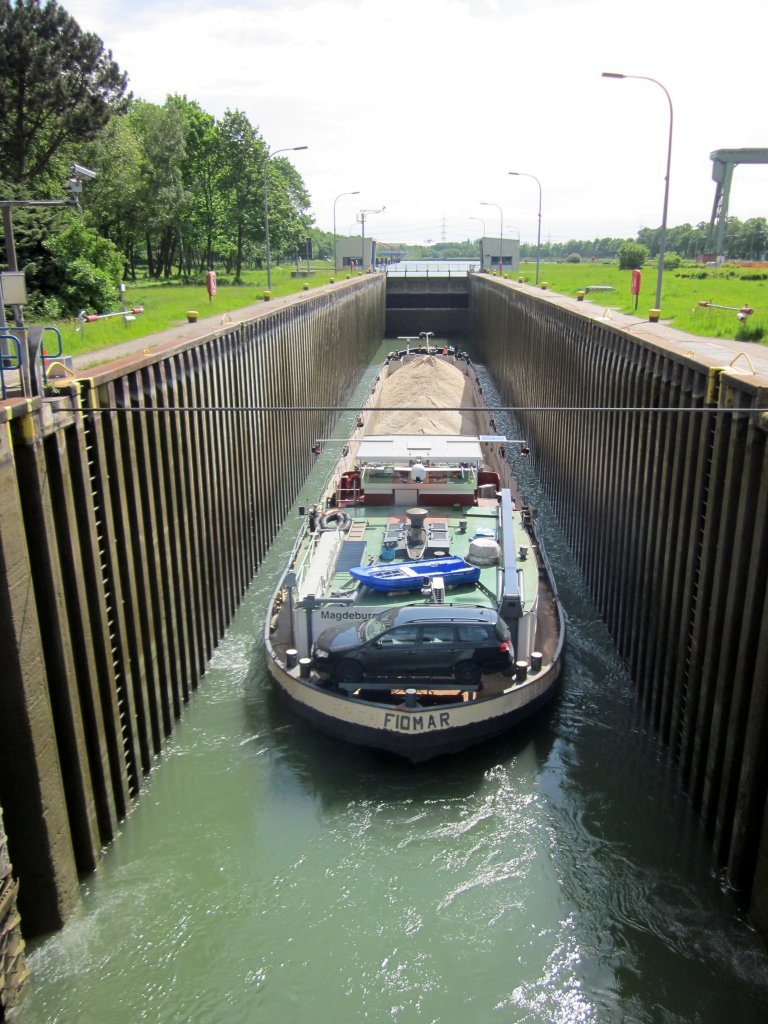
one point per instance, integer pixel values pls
(135, 509)
(666, 513)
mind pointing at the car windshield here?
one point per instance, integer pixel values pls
(374, 627)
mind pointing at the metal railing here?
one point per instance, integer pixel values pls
(28, 345)
(49, 357)
(429, 269)
(7, 360)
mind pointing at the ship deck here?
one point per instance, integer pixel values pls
(450, 530)
(364, 540)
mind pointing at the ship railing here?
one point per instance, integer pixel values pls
(316, 568)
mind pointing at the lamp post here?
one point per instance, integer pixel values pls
(288, 149)
(361, 217)
(663, 238)
(481, 246)
(338, 197)
(511, 227)
(522, 174)
(481, 221)
(501, 235)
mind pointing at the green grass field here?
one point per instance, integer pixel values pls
(682, 290)
(166, 305)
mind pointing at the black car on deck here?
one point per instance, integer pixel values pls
(417, 640)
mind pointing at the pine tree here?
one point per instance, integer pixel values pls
(58, 86)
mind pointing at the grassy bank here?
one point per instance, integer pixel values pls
(166, 304)
(683, 290)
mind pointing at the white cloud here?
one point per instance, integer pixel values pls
(425, 105)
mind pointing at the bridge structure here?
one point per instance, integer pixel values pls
(723, 163)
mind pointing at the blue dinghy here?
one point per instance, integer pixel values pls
(387, 576)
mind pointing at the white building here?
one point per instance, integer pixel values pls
(509, 248)
(349, 253)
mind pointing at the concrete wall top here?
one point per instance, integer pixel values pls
(10, 408)
(108, 364)
(744, 363)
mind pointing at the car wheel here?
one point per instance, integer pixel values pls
(348, 671)
(467, 673)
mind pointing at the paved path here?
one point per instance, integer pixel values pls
(747, 357)
(151, 343)
(743, 357)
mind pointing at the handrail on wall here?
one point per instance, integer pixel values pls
(6, 362)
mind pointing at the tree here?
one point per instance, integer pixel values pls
(82, 270)
(758, 237)
(672, 260)
(116, 200)
(632, 256)
(58, 86)
(288, 203)
(166, 201)
(200, 169)
(650, 238)
(243, 153)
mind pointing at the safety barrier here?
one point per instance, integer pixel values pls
(7, 361)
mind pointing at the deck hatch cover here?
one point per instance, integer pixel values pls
(352, 554)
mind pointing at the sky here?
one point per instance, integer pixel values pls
(423, 107)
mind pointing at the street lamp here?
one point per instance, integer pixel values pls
(501, 235)
(663, 238)
(522, 174)
(511, 227)
(361, 217)
(338, 197)
(481, 221)
(288, 149)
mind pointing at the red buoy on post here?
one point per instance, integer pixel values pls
(636, 279)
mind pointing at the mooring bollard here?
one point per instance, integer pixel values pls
(192, 316)
(305, 666)
(267, 296)
(579, 296)
(653, 315)
(291, 657)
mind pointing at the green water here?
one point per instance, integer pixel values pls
(271, 875)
